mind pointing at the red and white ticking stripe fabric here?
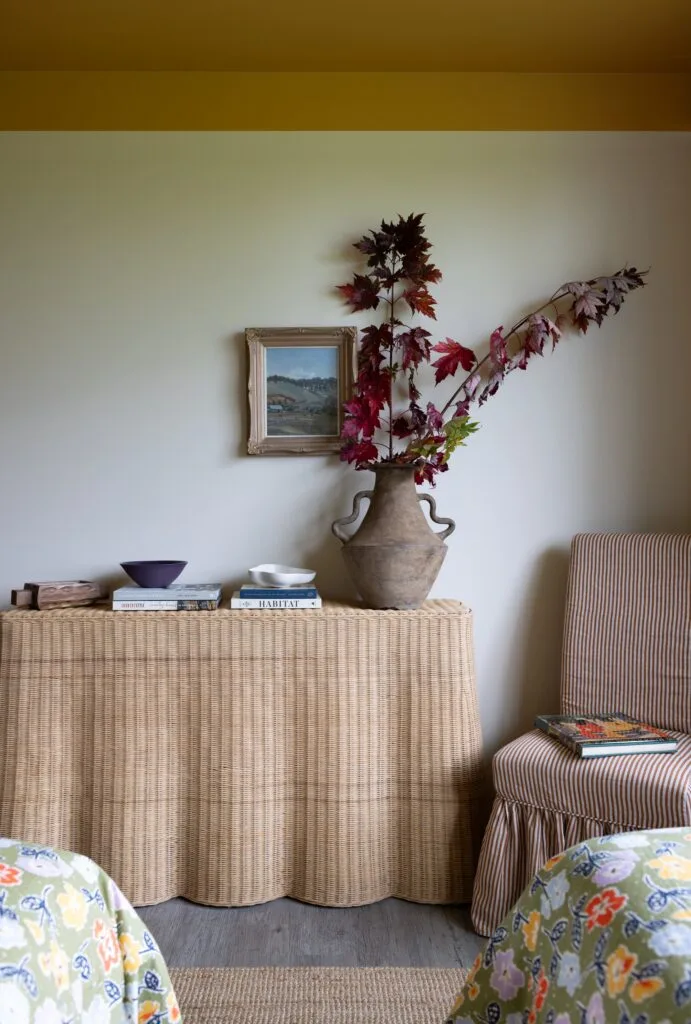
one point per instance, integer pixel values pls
(627, 648)
(549, 799)
(627, 630)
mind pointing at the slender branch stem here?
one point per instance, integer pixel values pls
(516, 327)
(392, 318)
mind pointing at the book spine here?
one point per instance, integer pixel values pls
(200, 595)
(553, 730)
(182, 605)
(253, 593)
(270, 604)
(614, 749)
(565, 739)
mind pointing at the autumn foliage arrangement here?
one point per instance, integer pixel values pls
(386, 420)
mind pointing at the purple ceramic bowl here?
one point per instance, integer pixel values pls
(153, 574)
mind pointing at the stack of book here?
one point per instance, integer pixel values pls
(251, 597)
(178, 597)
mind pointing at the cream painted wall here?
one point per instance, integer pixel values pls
(131, 263)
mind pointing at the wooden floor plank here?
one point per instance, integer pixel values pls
(467, 943)
(287, 933)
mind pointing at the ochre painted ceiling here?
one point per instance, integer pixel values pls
(350, 35)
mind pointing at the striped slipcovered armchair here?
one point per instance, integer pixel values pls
(627, 648)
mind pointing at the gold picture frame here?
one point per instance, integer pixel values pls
(299, 378)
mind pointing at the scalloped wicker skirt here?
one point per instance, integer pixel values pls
(235, 757)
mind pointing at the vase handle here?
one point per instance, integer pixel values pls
(449, 523)
(347, 520)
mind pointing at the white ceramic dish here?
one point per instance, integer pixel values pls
(273, 575)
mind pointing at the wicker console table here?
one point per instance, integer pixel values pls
(232, 757)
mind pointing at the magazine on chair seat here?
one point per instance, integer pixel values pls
(606, 735)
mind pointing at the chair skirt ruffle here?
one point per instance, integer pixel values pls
(518, 840)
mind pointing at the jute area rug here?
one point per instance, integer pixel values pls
(316, 995)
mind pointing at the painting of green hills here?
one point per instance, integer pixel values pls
(302, 391)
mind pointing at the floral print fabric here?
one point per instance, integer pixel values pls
(72, 949)
(603, 934)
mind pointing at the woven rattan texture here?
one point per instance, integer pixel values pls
(234, 757)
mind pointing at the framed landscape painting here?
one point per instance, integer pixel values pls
(299, 378)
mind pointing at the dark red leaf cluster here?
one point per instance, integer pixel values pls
(362, 453)
(595, 299)
(531, 342)
(376, 341)
(363, 293)
(412, 421)
(426, 472)
(397, 252)
(399, 273)
(540, 331)
(498, 356)
(415, 421)
(415, 346)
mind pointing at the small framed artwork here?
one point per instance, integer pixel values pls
(299, 378)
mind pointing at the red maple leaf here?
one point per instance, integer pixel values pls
(434, 418)
(427, 472)
(412, 421)
(361, 452)
(617, 286)
(375, 385)
(387, 277)
(419, 271)
(520, 360)
(498, 356)
(375, 340)
(541, 330)
(361, 416)
(351, 428)
(453, 355)
(414, 345)
(492, 386)
(589, 305)
(408, 238)
(375, 246)
(363, 293)
(401, 426)
(420, 301)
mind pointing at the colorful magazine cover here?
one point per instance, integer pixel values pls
(592, 735)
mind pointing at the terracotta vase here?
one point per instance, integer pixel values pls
(394, 557)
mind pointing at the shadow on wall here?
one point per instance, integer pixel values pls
(324, 551)
(538, 644)
(238, 403)
(308, 541)
(541, 638)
